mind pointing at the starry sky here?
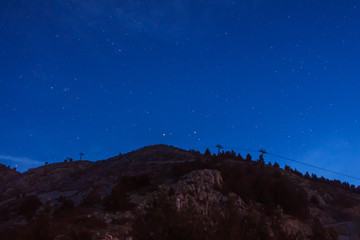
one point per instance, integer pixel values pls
(104, 77)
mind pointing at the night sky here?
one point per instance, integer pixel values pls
(104, 77)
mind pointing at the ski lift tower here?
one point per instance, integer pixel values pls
(219, 147)
(262, 151)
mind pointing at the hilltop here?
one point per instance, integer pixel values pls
(163, 192)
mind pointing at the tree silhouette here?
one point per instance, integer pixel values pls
(313, 176)
(261, 161)
(81, 154)
(239, 157)
(207, 152)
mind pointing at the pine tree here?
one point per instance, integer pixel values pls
(261, 161)
(207, 152)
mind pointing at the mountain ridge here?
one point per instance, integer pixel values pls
(263, 201)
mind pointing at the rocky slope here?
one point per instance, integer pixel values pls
(162, 192)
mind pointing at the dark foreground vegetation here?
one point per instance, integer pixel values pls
(270, 194)
(163, 222)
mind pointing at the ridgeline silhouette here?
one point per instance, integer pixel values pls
(163, 192)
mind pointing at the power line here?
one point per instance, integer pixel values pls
(243, 149)
(296, 161)
(313, 166)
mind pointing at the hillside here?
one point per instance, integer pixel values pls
(163, 192)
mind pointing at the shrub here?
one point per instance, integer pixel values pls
(162, 222)
(92, 198)
(265, 186)
(65, 204)
(119, 198)
(4, 213)
(29, 206)
(321, 233)
(314, 200)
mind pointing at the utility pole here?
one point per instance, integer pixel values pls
(262, 152)
(219, 147)
(261, 161)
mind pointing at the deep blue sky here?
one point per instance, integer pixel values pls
(103, 77)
